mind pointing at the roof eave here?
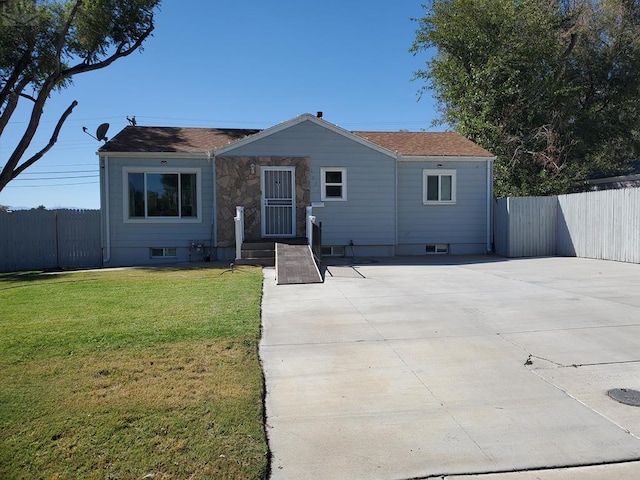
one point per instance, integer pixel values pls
(620, 178)
(446, 158)
(194, 155)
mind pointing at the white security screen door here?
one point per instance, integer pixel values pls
(278, 201)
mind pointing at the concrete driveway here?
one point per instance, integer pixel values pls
(454, 366)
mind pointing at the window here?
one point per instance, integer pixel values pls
(334, 184)
(333, 251)
(439, 187)
(162, 196)
(437, 248)
(163, 252)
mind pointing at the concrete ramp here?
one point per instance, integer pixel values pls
(295, 265)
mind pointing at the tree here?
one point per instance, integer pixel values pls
(44, 44)
(552, 87)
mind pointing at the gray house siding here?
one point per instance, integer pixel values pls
(130, 243)
(383, 212)
(462, 226)
(368, 216)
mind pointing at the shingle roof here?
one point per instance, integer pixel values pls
(174, 139)
(200, 140)
(426, 143)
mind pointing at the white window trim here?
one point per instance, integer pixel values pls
(439, 173)
(324, 184)
(125, 195)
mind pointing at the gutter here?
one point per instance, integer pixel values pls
(106, 258)
(397, 159)
(489, 202)
(214, 227)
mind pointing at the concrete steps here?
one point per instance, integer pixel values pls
(263, 252)
(258, 253)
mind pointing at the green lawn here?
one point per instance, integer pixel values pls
(131, 374)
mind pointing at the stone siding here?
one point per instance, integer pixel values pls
(236, 186)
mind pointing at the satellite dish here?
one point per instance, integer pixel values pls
(101, 132)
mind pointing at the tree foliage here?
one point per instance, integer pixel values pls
(44, 43)
(552, 87)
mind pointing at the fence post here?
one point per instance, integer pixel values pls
(57, 228)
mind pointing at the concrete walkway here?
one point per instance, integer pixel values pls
(454, 367)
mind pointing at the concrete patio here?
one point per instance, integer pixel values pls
(454, 367)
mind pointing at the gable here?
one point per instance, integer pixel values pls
(264, 134)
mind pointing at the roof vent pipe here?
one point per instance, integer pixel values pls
(319, 114)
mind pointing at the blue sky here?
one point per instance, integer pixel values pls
(240, 64)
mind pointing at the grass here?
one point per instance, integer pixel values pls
(131, 374)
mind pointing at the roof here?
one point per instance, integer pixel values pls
(626, 177)
(426, 143)
(200, 140)
(174, 139)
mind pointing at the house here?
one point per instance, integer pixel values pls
(628, 178)
(170, 193)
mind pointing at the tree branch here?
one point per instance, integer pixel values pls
(120, 52)
(40, 154)
(12, 103)
(56, 75)
(63, 35)
(15, 76)
(54, 79)
(32, 126)
(28, 97)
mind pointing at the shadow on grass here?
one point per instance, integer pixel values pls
(219, 268)
(29, 276)
(33, 279)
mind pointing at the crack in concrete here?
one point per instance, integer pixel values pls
(445, 476)
(558, 387)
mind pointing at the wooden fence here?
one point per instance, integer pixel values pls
(49, 239)
(603, 224)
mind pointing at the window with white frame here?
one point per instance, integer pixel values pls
(439, 187)
(162, 195)
(334, 184)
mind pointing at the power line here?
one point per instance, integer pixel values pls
(58, 173)
(53, 185)
(53, 178)
(63, 165)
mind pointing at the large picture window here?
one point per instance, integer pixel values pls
(439, 187)
(170, 195)
(334, 184)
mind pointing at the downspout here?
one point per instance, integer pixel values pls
(397, 160)
(214, 227)
(106, 258)
(489, 201)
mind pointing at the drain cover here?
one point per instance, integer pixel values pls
(626, 396)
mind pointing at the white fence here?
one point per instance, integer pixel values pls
(604, 225)
(49, 239)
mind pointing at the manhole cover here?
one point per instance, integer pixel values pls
(626, 396)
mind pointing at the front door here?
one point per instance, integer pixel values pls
(278, 201)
